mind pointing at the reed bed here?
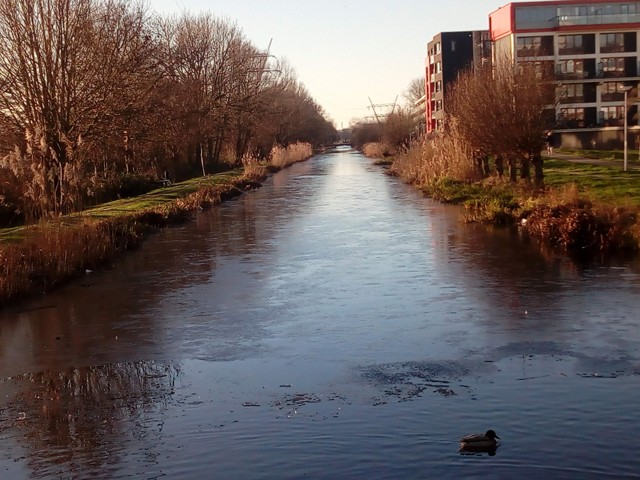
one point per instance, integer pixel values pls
(428, 161)
(563, 216)
(569, 220)
(282, 157)
(375, 150)
(55, 251)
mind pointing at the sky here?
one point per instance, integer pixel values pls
(346, 52)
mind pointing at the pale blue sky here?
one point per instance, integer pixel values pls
(345, 51)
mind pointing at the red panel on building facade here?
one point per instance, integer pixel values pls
(501, 22)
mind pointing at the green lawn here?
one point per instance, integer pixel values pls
(127, 206)
(157, 197)
(609, 184)
(632, 154)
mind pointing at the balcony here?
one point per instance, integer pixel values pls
(573, 99)
(573, 75)
(612, 97)
(594, 19)
(611, 122)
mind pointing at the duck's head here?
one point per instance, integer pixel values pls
(491, 434)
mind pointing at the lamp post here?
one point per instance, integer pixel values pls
(626, 126)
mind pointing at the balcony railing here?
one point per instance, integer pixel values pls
(595, 19)
(612, 97)
(573, 75)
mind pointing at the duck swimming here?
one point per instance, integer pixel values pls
(480, 440)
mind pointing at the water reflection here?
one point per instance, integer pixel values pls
(84, 417)
(356, 321)
(478, 451)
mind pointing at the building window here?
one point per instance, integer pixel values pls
(541, 70)
(438, 67)
(612, 67)
(438, 49)
(528, 46)
(570, 44)
(438, 85)
(611, 42)
(571, 93)
(534, 46)
(571, 117)
(601, 13)
(611, 116)
(571, 68)
(612, 92)
(438, 105)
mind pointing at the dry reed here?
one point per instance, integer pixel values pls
(566, 219)
(429, 161)
(58, 251)
(282, 157)
(374, 150)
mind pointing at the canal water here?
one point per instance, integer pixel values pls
(332, 324)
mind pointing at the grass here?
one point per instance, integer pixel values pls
(126, 206)
(632, 154)
(608, 184)
(585, 208)
(38, 257)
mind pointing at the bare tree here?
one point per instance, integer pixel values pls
(200, 55)
(67, 67)
(415, 91)
(93, 90)
(504, 111)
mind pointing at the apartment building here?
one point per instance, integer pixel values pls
(448, 54)
(590, 50)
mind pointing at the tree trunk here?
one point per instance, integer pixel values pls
(513, 174)
(538, 162)
(200, 151)
(477, 164)
(210, 151)
(500, 165)
(525, 169)
(242, 143)
(486, 171)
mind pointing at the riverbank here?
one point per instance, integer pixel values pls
(37, 258)
(585, 207)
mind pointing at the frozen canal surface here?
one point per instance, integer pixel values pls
(332, 324)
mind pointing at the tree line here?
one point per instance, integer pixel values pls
(496, 117)
(501, 112)
(99, 97)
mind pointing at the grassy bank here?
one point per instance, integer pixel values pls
(37, 258)
(584, 208)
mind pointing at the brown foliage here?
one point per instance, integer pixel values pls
(445, 155)
(499, 110)
(580, 227)
(65, 248)
(93, 90)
